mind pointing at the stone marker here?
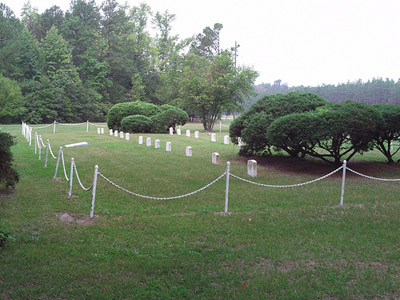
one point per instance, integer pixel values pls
(196, 135)
(187, 132)
(140, 140)
(213, 137)
(111, 132)
(178, 131)
(171, 131)
(168, 146)
(226, 139)
(127, 136)
(121, 134)
(116, 133)
(188, 151)
(215, 158)
(148, 142)
(98, 130)
(240, 142)
(252, 168)
(157, 144)
(102, 130)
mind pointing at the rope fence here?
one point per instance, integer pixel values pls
(73, 170)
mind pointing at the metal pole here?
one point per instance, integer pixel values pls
(87, 125)
(47, 153)
(228, 165)
(40, 147)
(96, 170)
(71, 174)
(36, 144)
(343, 182)
(58, 162)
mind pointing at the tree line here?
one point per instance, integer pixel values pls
(377, 90)
(73, 66)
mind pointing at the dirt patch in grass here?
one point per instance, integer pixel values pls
(84, 220)
(291, 165)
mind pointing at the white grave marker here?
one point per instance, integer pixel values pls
(140, 140)
(121, 135)
(148, 142)
(116, 133)
(188, 151)
(111, 132)
(178, 131)
(226, 139)
(171, 131)
(196, 135)
(102, 130)
(215, 158)
(240, 142)
(187, 132)
(127, 136)
(252, 168)
(168, 147)
(213, 137)
(157, 144)
(98, 130)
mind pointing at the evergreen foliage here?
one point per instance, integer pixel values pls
(8, 176)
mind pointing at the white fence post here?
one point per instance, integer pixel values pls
(220, 127)
(54, 126)
(47, 153)
(30, 136)
(87, 125)
(96, 169)
(228, 166)
(36, 142)
(40, 147)
(71, 175)
(58, 162)
(343, 182)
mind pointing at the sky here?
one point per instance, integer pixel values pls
(301, 42)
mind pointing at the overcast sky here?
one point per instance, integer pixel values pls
(301, 42)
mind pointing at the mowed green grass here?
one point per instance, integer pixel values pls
(290, 243)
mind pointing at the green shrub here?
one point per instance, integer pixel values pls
(121, 110)
(169, 117)
(137, 124)
(8, 176)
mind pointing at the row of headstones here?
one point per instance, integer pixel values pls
(196, 136)
(251, 164)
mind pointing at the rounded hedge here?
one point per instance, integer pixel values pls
(121, 110)
(137, 124)
(170, 117)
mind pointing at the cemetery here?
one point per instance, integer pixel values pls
(188, 204)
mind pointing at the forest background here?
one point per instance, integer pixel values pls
(73, 66)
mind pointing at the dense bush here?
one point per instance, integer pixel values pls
(169, 117)
(8, 176)
(122, 110)
(137, 123)
(252, 125)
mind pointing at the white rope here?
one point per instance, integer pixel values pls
(370, 177)
(65, 124)
(162, 198)
(287, 186)
(44, 146)
(41, 127)
(65, 172)
(51, 152)
(97, 125)
(79, 180)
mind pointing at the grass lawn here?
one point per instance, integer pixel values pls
(290, 243)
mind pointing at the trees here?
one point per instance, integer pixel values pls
(389, 130)
(8, 176)
(210, 87)
(11, 101)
